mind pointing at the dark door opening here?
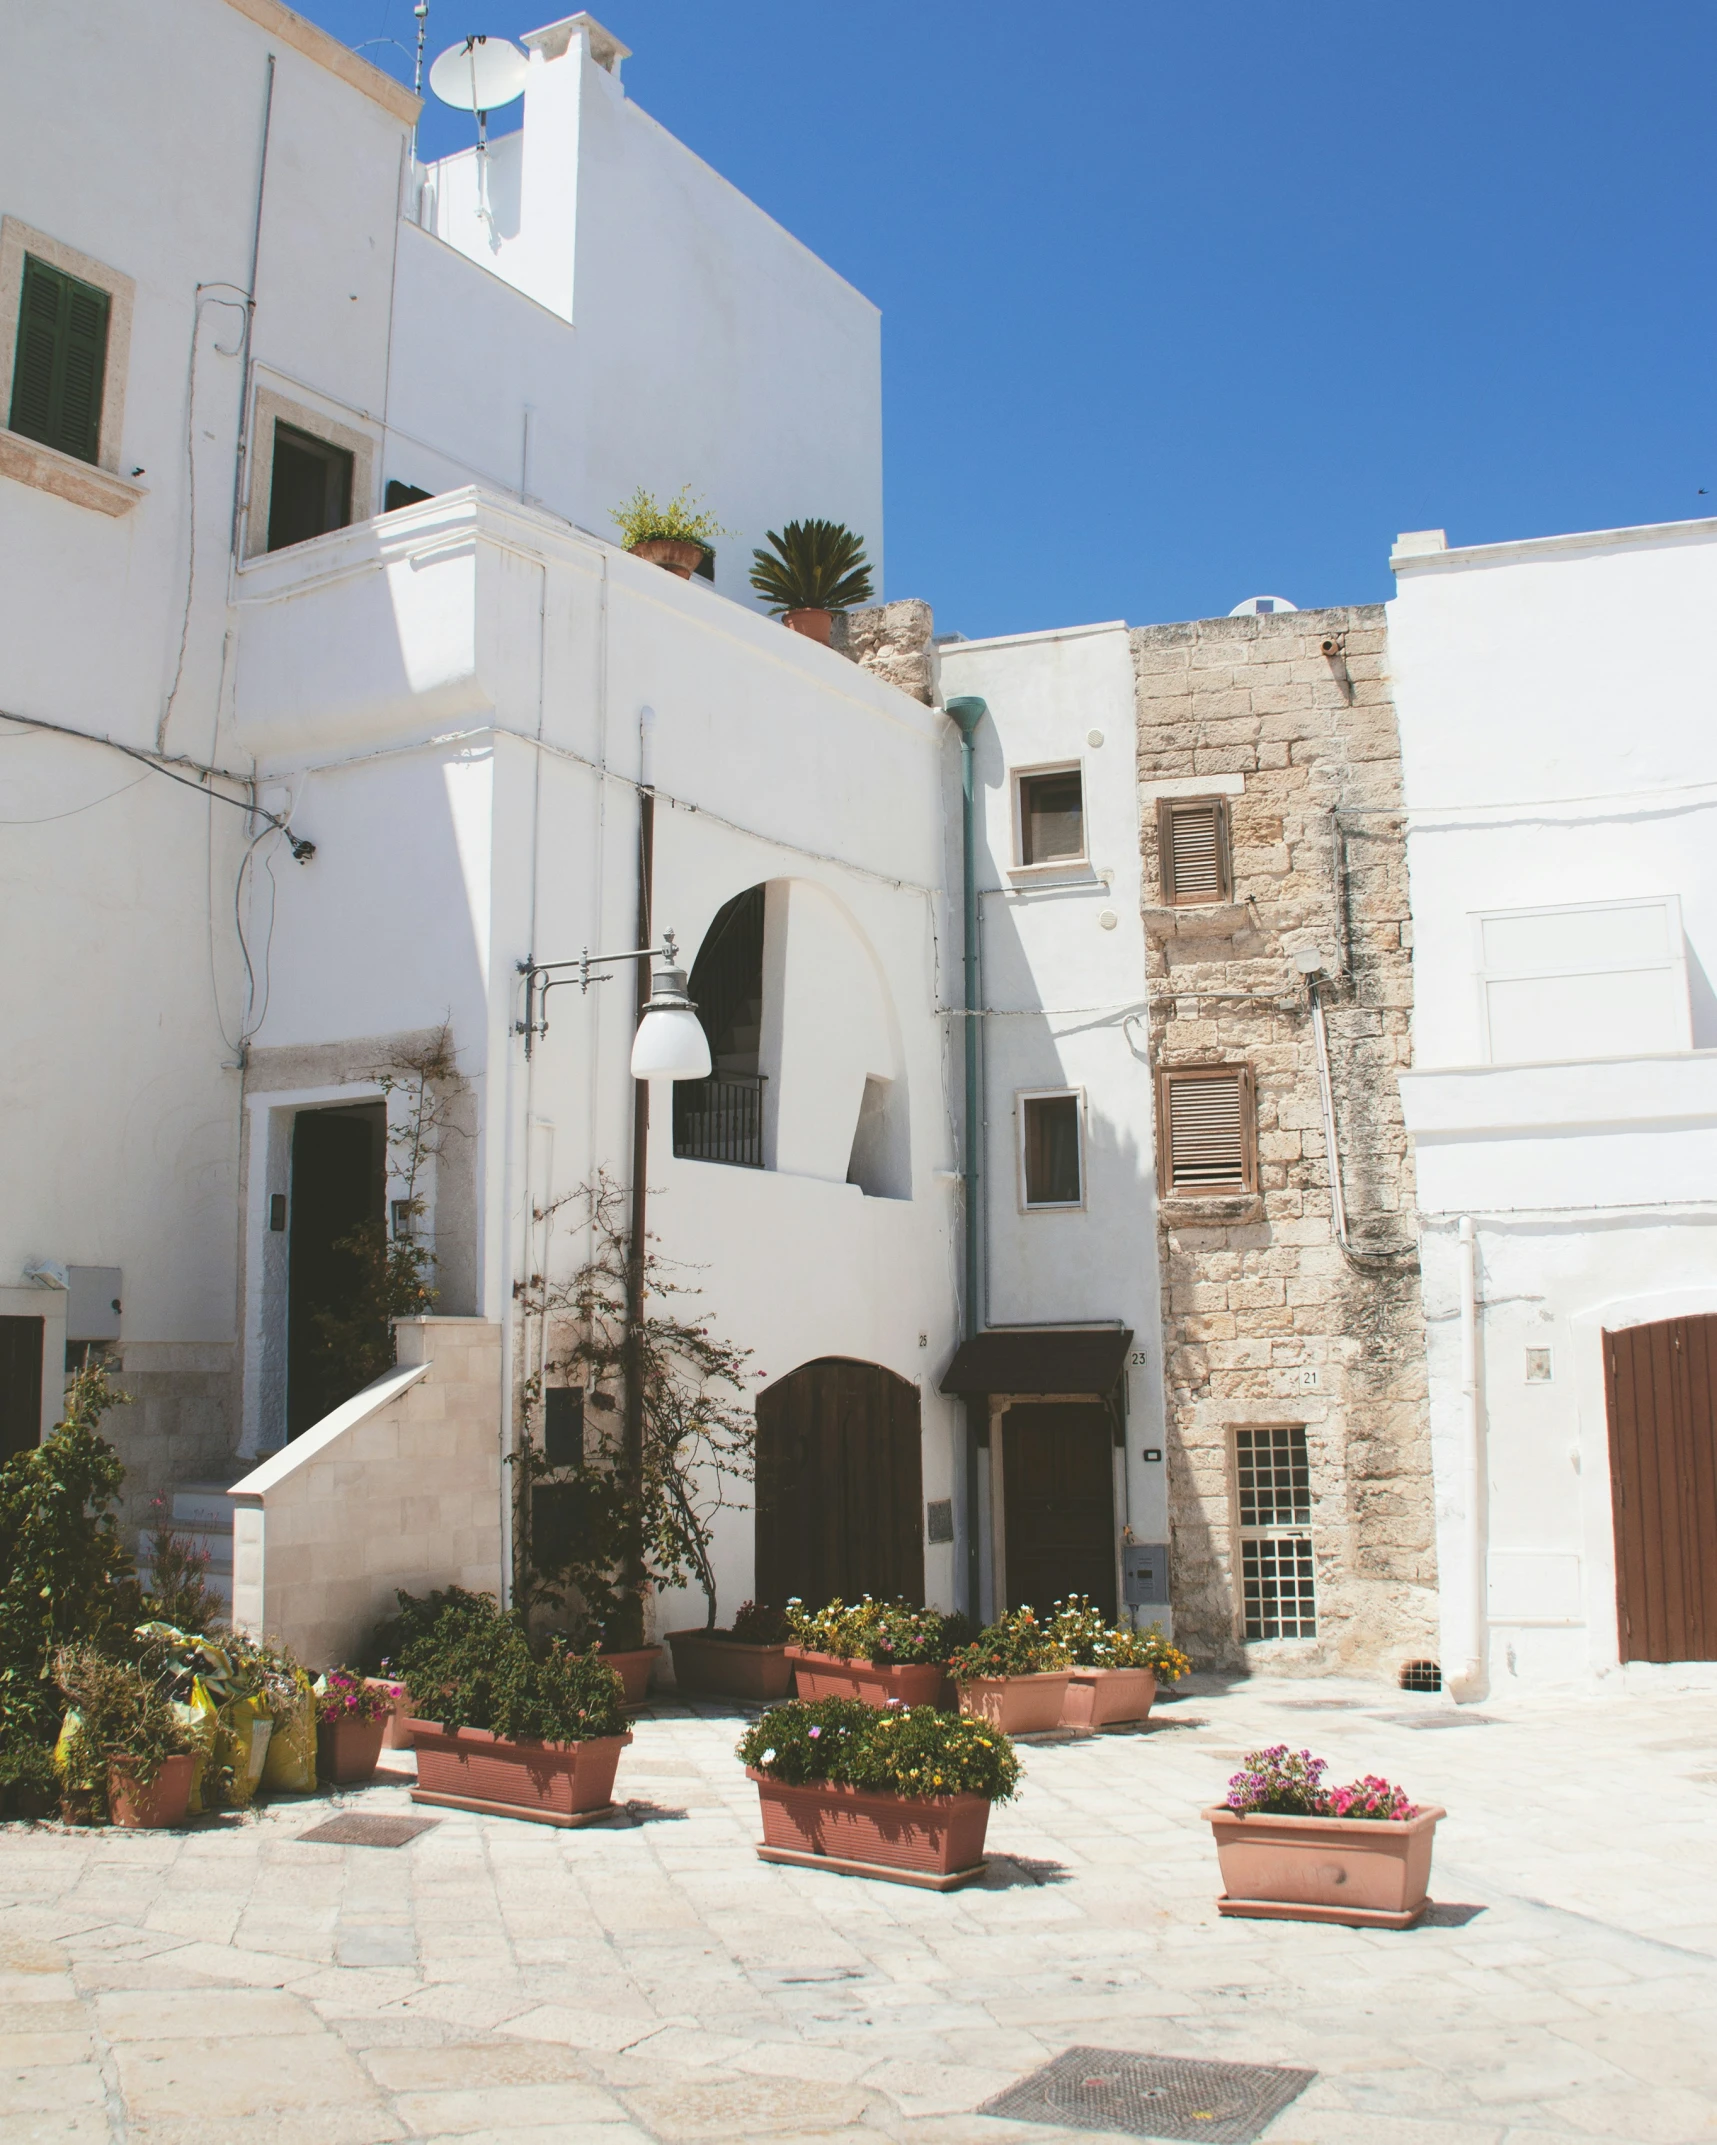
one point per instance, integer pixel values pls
(339, 1182)
(1661, 1388)
(21, 1344)
(1058, 1490)
(721, 1119)
(840, 1485)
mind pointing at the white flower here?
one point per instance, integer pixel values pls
(769, 1757)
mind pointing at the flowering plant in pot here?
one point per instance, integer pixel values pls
(677, 533)
(123, 1738)
(1293, 1850)
(888, 1791)
(812, 570)
(504, 1722)
(352, 1716)
(746, 1660)
(1116, 1670)
(874, 1650)
(1014, 1674)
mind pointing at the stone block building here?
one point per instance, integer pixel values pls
(1280, 983)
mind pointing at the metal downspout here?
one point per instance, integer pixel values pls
(968, 712)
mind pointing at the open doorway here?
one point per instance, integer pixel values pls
(339, 1186)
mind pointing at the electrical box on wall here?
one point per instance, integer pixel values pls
(1145, 1574)
(92, 1303)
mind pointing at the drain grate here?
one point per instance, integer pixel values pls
(355, 1831)
(1152, 2096)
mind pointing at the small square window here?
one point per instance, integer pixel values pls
(1051, 1161)
(310, 487)
(1052, 817)
(1206, 1130)
(1194, 847)
(563, 1426)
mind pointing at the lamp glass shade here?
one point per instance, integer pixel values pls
(670, 1045)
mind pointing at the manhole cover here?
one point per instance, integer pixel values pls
(355, 1831)
(1152, 2096)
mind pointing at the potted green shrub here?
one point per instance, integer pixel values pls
(812, 570)
(1014, 1674)
(747, 1661)
(506, 1724)
(123, 1734)
(677, 534)
(1291, 1849)
(352, 1717)
(902, 1793)
(885, 1652)
(1115, 1670)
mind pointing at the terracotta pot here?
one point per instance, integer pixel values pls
(679, 557)
(552, 1783)
(397, 1726)
(826, 1675)
(1366, 1872)
(936, 1836)
(1017, 1705)
(347, 1750)
(165, 1801)
(633, 1668)
(815, 625)
(729, 1668)
(1098, 1697)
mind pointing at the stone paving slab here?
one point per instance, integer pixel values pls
(652, 1983)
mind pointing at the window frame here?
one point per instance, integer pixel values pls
(1301, 1533)
(1673, 965)
(1018, 777)
(270, 407)
(1167, 808)
(1208, 1069)
(1025, 1095)
(33, 461)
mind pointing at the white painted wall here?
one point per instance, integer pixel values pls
(1555, 699)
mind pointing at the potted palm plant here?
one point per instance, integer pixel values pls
(1115, 1670)
(1291, 1849)
(676, 534)
(505, 1724)
(747, 1661)
(901, 1793)
(885, 1652)
(352, 1717)
(123, 1734)
(1014, 1674)
(812, 570)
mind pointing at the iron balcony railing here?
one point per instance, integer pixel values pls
(720, 1119)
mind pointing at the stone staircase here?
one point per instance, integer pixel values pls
(201, 1514)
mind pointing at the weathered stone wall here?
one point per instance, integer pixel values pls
(893, 640)
(1265, 1319)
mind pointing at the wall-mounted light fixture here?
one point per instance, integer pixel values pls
(670, 1043)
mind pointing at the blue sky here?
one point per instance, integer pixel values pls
(1194, 301)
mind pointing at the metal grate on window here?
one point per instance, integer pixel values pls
(1207, 1148)
(1274, 1477)
(1278, 1577)
(1278, 1587)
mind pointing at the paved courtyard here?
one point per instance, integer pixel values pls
(654, 1981)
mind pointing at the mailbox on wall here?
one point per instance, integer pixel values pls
(92, 1303)
(1145, 1575)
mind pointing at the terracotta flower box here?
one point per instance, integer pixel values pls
(707, 1666)
(1017, 1705)
(397, 1726)
(634, 1670)
(549, 1783)
(165, 1801)
(1101, 1697)
(826, 1675)
(677, 554)
(1365, 1872)
(347, 1750)
(933, 1841)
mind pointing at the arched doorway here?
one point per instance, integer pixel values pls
(1661, 1388)
(840, 1485)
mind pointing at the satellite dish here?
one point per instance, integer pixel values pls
(480, 75)
(1262, 606)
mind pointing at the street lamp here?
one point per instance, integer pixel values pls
(670, 1043)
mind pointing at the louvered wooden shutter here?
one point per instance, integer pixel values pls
(1207, 1130)
(1193, 832)
(61, 357)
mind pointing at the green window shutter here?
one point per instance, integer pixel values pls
(61, 358)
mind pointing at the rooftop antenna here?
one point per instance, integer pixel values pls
(421, 11)
(478, 76)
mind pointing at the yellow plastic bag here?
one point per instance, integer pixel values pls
(245, 1735)
(204, 1723)
(290, 1767)
(200, 1727)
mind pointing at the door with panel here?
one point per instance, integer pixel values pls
(1661, 1389)
(1058, 1493)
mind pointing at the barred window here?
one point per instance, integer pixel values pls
(1278, 1583)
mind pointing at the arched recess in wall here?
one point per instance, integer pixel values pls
(808, 1074)
(840, 1485)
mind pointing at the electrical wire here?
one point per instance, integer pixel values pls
(238, 305)
(48, 817)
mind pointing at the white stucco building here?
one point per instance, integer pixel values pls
(1555, 698)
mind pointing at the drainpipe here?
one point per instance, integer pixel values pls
(1471, 1679)
(968, 712)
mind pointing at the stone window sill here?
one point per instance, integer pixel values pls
(1073, 871)
(29, 462)
(1210, 1209)
(1213, 919)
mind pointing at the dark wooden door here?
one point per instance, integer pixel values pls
(1058, 1487)
(21, 1341)
(1661, 1383)
(339, 1165)
(840, 1485)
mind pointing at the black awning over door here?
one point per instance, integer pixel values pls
(1063, 1360)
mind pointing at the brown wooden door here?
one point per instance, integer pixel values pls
(1058, 1486)
(21, 1341)
(840, 1485)
(1661, 1383)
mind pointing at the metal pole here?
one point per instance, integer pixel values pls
(968, 712)
(632, 1446)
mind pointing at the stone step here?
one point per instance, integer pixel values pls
(202, 1504)
(217, 1544)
